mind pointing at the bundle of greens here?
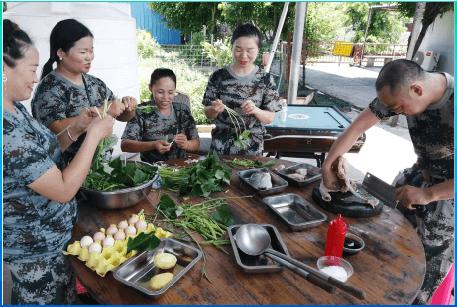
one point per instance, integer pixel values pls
(202, 178)
(251, 164)
(203, 218)
(242, 136)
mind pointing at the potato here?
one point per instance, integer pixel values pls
(165, 261)
(160, 281)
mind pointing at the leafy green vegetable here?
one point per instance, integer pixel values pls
(250, 164)
(224, 216)
(146, 109)
(118, 175)
(205, 177)
(143, 242)
(241, 136)
(166, 138)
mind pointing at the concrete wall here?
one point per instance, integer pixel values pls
(114, 33)
(440, 37)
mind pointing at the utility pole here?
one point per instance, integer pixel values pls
(300, 16)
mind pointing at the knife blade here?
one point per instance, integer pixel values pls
(380, 189)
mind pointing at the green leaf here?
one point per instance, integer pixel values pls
(140, 177)
(245, 134)
(146, 109)
(269, 164)
(224, 216)
(166, 138)
(167, 183)
(143, 242)
(109, 142)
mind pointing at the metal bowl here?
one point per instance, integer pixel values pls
(119, 199)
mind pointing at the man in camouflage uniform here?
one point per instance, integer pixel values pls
(156, 126)
(35, 229)
(233, 90)
(56, 99)
(427, 99)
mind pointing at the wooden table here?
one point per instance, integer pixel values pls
(390, 269)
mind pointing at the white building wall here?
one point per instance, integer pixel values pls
(114, 31)
(440, 37)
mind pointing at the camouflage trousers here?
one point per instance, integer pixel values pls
(435, 228)
(50, 282)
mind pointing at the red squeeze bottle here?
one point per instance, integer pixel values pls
(335, 238)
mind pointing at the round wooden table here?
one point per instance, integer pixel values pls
(390, 269)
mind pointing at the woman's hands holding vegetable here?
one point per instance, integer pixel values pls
(130, 103)
(162, 146)
(101, 128)
(116, 108)
(181, 141)
(249, 107)
(218, 106)
(83, 120)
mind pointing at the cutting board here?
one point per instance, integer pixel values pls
(346, 204)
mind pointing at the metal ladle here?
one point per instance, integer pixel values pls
(255, 240)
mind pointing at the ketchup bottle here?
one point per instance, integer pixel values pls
(335, 237)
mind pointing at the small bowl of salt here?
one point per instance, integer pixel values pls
(336, 267)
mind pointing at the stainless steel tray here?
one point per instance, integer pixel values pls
(314, 173)
(138, 271)
(279, 184)
(296, 212)
(259, 264)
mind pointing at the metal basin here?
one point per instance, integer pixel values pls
(119, 199)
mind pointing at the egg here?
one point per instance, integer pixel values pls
(122, 225)
(120, 235)
(95, 248)
(109, 241)
(86, 241)
(99, 236)
(131, 230)
(141, 224)
(133, 220)
(111, 230)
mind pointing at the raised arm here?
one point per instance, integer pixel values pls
(362, 123)
(61, 186)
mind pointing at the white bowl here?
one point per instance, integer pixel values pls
(327, 265)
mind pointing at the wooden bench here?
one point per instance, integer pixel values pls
(372, 58)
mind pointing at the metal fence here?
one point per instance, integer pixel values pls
(317, 52)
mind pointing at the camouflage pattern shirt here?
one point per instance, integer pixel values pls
(34, 227)
(156, 126)
(233, 90)
(432, 133)
(56, 98)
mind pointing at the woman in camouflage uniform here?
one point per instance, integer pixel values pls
(145, 133)
(245, 88)
(39, 209)
(62, 93)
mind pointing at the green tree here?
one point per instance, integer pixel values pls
(432, 10)
(188, 17)
(324, 22)
(385, 26)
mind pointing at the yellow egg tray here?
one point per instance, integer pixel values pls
(111, 257)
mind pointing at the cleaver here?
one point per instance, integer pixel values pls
(380, 189)
(384, 191)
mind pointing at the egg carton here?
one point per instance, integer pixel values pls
(111, 257)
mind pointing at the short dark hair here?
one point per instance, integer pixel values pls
(160, 73)
(14, 42)
(247, 30)
(398, 74)
(64, 35)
